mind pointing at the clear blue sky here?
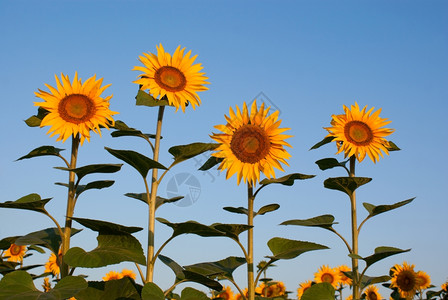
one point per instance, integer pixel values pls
(307, 57)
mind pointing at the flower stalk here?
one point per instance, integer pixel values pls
(355, 233)
(250, 242)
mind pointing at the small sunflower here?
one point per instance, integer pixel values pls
(404, 278)
(327, 274)
(112, 275)
(46, 285)
(371, 293)
(128, 273)
(350, 297)
(15, 253)
(251, 142)
(303, 287)
(445, 286)
(343, 278)
(52, 265)
(272, 289)
(225, 294)
(240, 297)
(360, 132)
(172, 76)
(424, 280)
(75, 108)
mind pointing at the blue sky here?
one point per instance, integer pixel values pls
(307, 58)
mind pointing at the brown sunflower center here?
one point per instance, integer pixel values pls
(358, 133)
(15, 250)
(406, 281)
(372, 296)
(76, 108)
(250, 144)
(327, 277)
(170, 78)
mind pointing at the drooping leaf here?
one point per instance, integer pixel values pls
(123, 130)
(151, 291)
(184, 152)
(210, 163)
(18, 285)
(125, 289)
(185, 275)
(192, 227)
(267, 208)
(237, 210)
(321, 291)
(138, 161)
(42, 151)
(231, 230)
(91, 169)
(376, 210)
(6, 242)
(219, 269)
(100, 184)
(324, 221)
(329, 163)
(29, 202)
(325, 141)
(159, 200)
(282, 248)
(392, 147)
(287, 179)
(346, 184)
(34, 121)
(367, 280)
(106, 227)
(189, 293)
(112, 249)
(143, 98)
(381, 253)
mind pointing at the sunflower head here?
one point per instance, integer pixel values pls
(225, 294)
(424, 280)
(112, 275)
(15, 253)
(405, 279)
(327, 274)
(251, 142)
(343, 278)
(360, 132)
(303, 287)
(174, 77)
(371, 293)
(52, 265)
(75, 107)
(128, 273)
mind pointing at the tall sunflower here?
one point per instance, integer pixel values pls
(360, 132)
(75, 108)
(15, 253)
(405, 279)
(372, 293)
(175, 77)
(327, 274)
(303, 287)
(251, 142)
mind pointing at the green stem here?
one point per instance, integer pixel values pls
(70, 206)
(355, 232)
(250, 242)
(152, 201)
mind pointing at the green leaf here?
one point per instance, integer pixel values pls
(185, 275)
(324, 221)
(111, 249)
(123, 130)
(189, 293)
(231, 230)
(381, 253)
(288, 249)
(184, 152)
(376, 210)
(326, 140)
(321, 291)
(346, 184)
(221, 269)
(29, 202)
(100, 184)
(106, 227)
(191, 227)
(91, 169)
(159, 200)
(152, 292)
(392, 147)
(42, 151)
(124, 289)
(329, 163)
(267, 208)
(367, 280)
(210, 163)
(140, 162)
(68, 287)
(143, 98)
(18, 285)
(34, 121)
(287, 179)
(237, 210)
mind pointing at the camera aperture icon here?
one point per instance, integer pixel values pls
(186, 185)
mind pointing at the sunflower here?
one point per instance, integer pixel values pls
(350, 297)
(327, 274)
(112, 275)
(52, 265)
(47, 284)
(240, 297)
(405, 279)
(128, 273)
(343, 278)
(15, 253)
(226, 294)
(445, 286)
(360, 132)
(424, 280)
(251, 142)
(272, 289)
(303, 287)
(174, 77)
(371, 293)
(75, 108)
